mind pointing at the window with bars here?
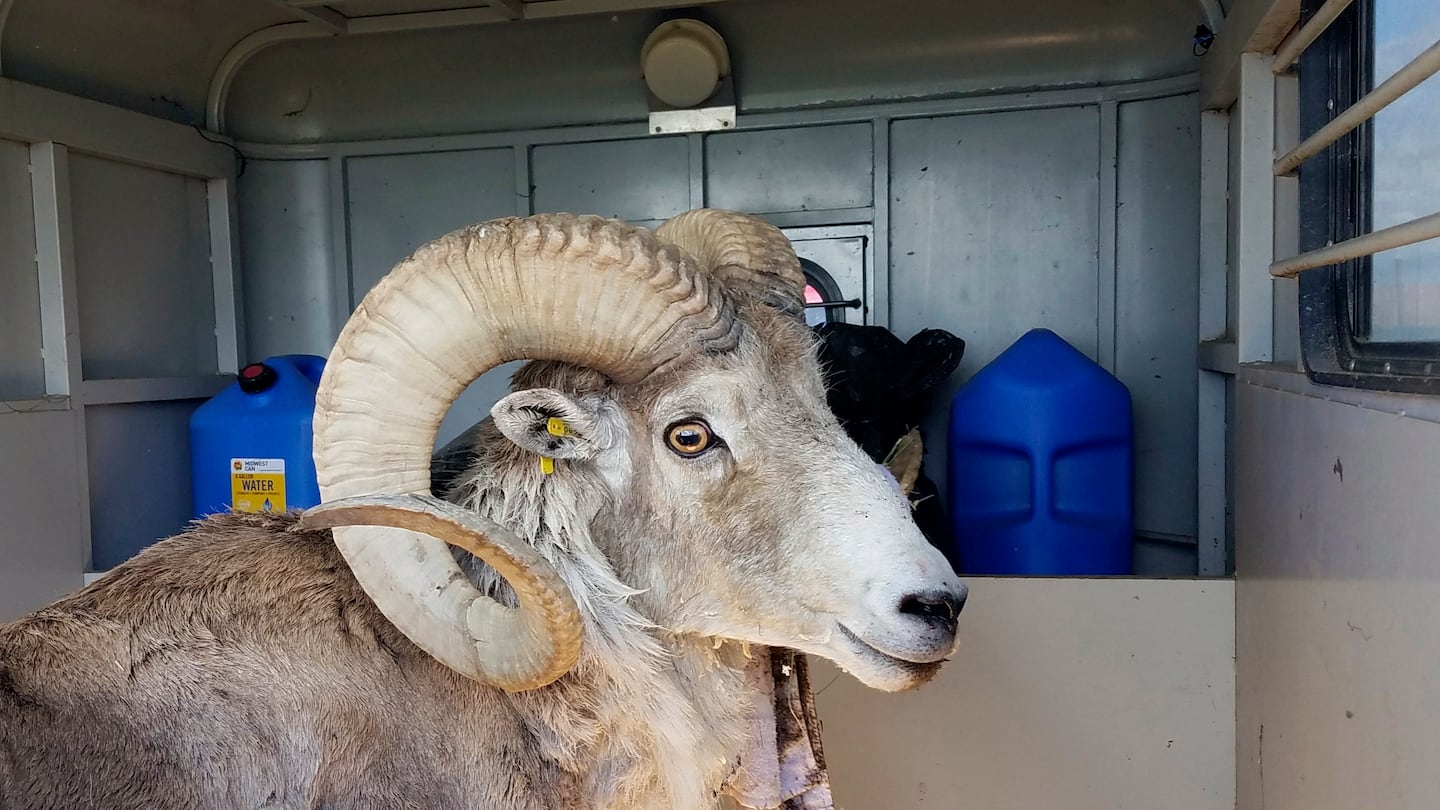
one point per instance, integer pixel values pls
(1369, 179)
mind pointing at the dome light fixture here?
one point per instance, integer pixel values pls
(686, 68)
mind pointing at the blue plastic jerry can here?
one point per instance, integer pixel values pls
(250, 445)
(1040, 463)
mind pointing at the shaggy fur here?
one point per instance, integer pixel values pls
(239, 665)
(272, 681)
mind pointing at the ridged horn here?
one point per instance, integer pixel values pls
(745, 252)
(574, 289)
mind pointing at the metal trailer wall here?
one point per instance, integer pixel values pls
(1070, 206)
(1072, 209)
(41, 546)
(788, 55)
(1336, 595)
(1067, 694)
(117, 318)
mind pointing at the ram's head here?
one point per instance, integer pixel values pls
(677, 410)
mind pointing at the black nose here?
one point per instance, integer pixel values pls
(940, 607)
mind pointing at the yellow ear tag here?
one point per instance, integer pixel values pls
(555, 426)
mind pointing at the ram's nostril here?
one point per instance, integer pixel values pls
(939, 606)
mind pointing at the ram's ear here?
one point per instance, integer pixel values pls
(550, 424)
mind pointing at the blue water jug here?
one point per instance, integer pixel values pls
(250, 445)
(1040, 465)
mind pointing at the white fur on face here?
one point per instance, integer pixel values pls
(788, 534)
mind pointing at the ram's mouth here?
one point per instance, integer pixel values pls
(917, 671)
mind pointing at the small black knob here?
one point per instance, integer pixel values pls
(257, 377)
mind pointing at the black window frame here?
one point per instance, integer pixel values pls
(1335, 205)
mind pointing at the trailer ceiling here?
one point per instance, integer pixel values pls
(160, 56)
(177, 59)
(346, 15)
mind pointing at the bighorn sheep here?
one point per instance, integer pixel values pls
(665, 477)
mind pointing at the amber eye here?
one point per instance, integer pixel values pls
(690, 438)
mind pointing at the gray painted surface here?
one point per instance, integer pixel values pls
(436, 82)
(22, 370)
(1285, 307)
(1157, 291)
(142, 264)
(635, 180)
(787, 55)
(1338, 598)
(1162, 558)
(399, 202)
(803, 169)
(139, 476)
(994, 231)
(1232, 260)
(996, 226)
(845, 260)
(137, 54)
(475, 402)
(287, 279)
(43, 542)
(1066, 694)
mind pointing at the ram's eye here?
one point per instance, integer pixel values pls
(690, 438)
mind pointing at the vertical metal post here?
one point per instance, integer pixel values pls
(524, 194)
(1106, 265)
(220, 199)
(1211, 424)
(1255, 210)
(60, 303)
(877, 274)
(696, 142)
(344, 297)
(55, 262)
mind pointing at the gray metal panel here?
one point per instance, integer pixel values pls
(843, 258)
(475, 402)
(142, 261)
(470, 79)
(1157, 303)
(22, 371)
(1059, 681)
(139, 476)
(1159, 558)
(399, 202)
(790, 169)
(994, 231)
(1232, 255)
(140, 54)
(633, 180)
(37, 115)
(43, 544)
(285, 258)
(1336, 598)
(788, 55)
(806, 52)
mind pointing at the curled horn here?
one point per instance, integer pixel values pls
(574, 289)
(748, 254)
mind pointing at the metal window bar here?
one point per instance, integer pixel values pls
(1406, 233)
(1420, 229)
(1419, 69)
(1303, 37)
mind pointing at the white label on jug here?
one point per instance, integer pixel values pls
(257, 484)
